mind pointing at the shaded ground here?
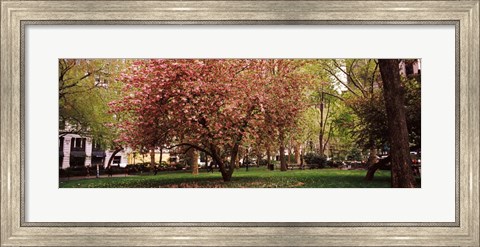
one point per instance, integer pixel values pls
(255, 178)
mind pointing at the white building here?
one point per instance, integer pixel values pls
(76, 150)
(410, 67)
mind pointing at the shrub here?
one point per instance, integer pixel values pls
(330, 163)
(354, 154)
(179, 166)
(163, 164)
(314, 160)
(290, 158)
(62, 173)
(336, 164)
(77, 171)
(263, 162)
(118, 170)
(138, 168)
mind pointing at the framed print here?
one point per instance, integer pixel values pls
(150, 92)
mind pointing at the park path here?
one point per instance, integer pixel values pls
(93, 177)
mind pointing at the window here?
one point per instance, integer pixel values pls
(60, 146)
(96, 145)
(77, 142)
(117, 159)
(409, 69)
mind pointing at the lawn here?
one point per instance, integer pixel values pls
(254, 178)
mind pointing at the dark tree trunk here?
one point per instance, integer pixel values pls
(237, 161)
(372, 158)
(206, 161)
(296, 150)
(152, 159)
(233, 159)
(283, 163)
(269, 156)
(226, 175)
(161, 156)
(301, 161)
(289, 152)
(382, 164)
(259, 157)
(393, 93)
(113, 155)
(320, 136)
(193, 160)
(226, 169)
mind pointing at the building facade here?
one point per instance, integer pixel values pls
(411, 67)
(77, 151)
(135, 157)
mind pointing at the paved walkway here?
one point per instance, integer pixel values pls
(93, 177)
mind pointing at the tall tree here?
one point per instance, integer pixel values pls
(394, 95)
(284, 94)
(85, 88)
(210, 105)
(358, 80)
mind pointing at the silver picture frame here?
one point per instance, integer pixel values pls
(16, 15)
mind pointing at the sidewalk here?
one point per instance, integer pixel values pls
(93, 177)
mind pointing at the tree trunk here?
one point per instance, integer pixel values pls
(161, 156)
(226, 175)
(320, 140)
(226, 170)
(237, 161)
(113, 155)
(393, 93)
(206, 161)
(234, 156)
(320, 136)
(372, 158)
(283, 163)
(152, 159)
(302, 166)
(297, 153)
(269, 156)
(289, 153)
(193, 158)
(259, 157)
(382, 164)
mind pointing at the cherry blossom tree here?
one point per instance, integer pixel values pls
(211, 105)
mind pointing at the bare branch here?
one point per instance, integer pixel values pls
(338, 79)
(372, 81)
(190, 145)
(352, 79)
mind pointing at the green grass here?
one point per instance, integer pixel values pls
(254, 178)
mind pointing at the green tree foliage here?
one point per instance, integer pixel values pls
(85, 88)
(373, 119)
(414, 113)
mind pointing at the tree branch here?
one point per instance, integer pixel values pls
(349, 75)
(191, 146)
(341, 82)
